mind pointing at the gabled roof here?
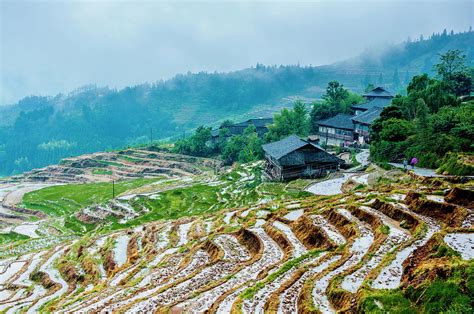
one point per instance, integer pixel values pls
(340, 121)
(259, 123)
(368, 116)
(285, 146)
(379, 91)
(376, 102)
(237, 128)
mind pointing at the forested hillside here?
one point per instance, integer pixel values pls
(41, 130)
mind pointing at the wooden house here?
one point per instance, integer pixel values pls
(344, 129)
(292, 158)
(261, 126)
(336, 130)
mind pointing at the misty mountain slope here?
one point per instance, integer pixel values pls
(41, 130)
(413, 57)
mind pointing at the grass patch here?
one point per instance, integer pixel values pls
(454, 294)
(129, 159)
(102, 171)
(11, 237)
(67, 199)
(384, 229)
(387, 302)
(173, 204)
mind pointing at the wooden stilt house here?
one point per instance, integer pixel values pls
(292, 158)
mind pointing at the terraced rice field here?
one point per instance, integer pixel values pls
(337, 251)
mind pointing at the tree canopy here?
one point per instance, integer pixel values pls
(430, 122)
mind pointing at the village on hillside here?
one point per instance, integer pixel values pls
(293, 157)
(237, 157)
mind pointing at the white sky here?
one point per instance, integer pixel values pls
(48, 47)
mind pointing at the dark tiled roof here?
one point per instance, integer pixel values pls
(285, 146)
(378, 92)
(259, 123)
(376, 102)
(341, 121)
(238, 128)
(368, 116)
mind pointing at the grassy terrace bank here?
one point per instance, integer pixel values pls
(170, 199)
(66, 199)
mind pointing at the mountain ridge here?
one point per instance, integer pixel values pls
(41, 130)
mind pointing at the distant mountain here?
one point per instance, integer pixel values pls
(395, 65)
(38, 131)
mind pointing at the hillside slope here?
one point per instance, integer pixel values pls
(230, 242)
(41, 130)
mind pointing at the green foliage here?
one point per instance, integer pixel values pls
(390, 301)
(197, 144)
(427, 123)
(243, 148)
(446, 297)
(436, 94)
(102, 171)
(385, 229)
(335, 94)
(454, 294)
(287, 122)
(445, 251)
(452, 69)
(11, 237)
(96, 118)
(457, 164)
(66, 199)
(396, 130)
(336, 100)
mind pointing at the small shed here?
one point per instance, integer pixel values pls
(292, 158)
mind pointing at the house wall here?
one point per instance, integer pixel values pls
(310, 170)
(363, 131)
(336, 137)
(306, 162)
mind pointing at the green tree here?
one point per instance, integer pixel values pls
(335, 94)
(452, 62)
(336, 100)
(243, 148)
(197, 145)
(421, 121)
(287, 122)
(252, 149)
(452, 69)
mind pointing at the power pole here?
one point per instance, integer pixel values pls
(113, 189)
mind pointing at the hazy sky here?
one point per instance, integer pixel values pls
(48, 47)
